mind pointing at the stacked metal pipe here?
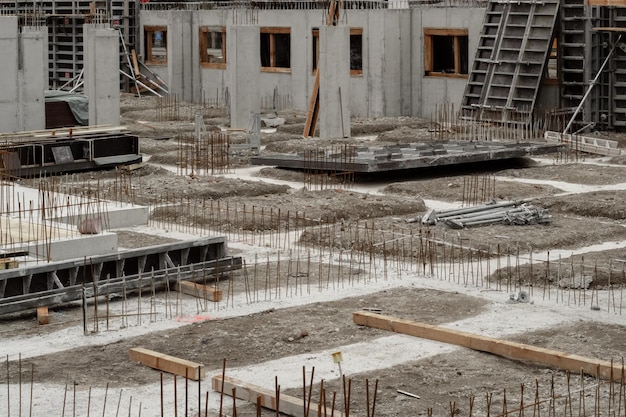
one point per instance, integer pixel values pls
(511, 212)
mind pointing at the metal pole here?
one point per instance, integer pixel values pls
(593, 82)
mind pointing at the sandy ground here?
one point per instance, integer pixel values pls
(291, 307)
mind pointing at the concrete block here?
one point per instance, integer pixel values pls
(43, 317)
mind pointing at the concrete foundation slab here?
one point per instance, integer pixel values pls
(360, 159)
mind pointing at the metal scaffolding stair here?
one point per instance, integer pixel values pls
(619, 73)
(510, 60)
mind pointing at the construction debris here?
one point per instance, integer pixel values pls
(511, 212)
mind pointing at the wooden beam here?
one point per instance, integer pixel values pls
(167, 363)
(43, 317)
(507, 349)
(199, 290)
(289, 405)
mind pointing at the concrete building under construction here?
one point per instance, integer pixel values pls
(495, 61)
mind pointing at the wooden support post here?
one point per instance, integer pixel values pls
(43, 317)
(266, 397)
(511, 350)
(167, 363)
(199, 290)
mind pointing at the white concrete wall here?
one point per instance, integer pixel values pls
(102, 83)
(436, 90)
(242, 50)
(392, 83)
(180, 54)
(9, 91)
(33, 78)
(334, 93)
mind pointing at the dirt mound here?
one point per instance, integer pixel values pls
(608, 204)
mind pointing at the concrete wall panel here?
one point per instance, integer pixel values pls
(102, 61)
(242, 48)
(34, 77)
(334, 117)
(392, 83)
(9, 94)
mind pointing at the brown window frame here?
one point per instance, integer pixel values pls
(315, 33)
(148, 34)
(457, 34)
(204, 55)
(271, 31)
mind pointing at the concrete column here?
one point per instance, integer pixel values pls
(179, 54)
(101, 58)
(334, 67)
(244, 64)
(33, 77)
(9, 92)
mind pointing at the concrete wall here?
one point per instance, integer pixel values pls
(9, 90)
(24, 69)
(242, 51)
(434, 91)
(334, 117)
(101, 64)
(33, 76)
(180, 54)
(392, 82)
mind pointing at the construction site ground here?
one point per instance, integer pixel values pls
(287, 315)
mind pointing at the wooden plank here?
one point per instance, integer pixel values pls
(43, 317)
(314, 106)
(199, 290)
(289, 405)
(507, 349)
(167, 363)
(618, 3)
(133, 56)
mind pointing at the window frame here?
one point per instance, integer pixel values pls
(315, 34)
(429, 33)
(204, 56)
(271, 31)
(147, 32)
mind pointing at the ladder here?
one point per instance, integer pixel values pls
(619, 74)
(510, 61)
